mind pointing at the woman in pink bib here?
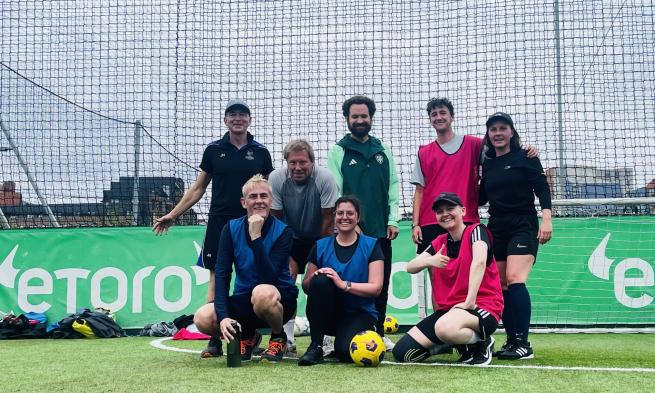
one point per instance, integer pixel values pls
(465, 289)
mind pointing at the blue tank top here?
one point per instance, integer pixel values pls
(355, 270)
(246, 277)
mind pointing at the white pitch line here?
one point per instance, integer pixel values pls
(533, 367)
(159, 344)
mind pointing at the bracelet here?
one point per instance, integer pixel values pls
(349, 285)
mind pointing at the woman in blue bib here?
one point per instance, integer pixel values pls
(344, 276)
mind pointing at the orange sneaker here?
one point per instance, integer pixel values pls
(275, 350)
(248, 345)
(214, 348)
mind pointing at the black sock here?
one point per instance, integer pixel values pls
(407, 349)
(508, 318)
(282, 334)
(521, 310)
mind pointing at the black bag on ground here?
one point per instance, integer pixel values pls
(101, 324)
(12, 326)
(183, 321)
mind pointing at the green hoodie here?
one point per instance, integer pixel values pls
(367, 171)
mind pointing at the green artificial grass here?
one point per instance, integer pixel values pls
(133, 365)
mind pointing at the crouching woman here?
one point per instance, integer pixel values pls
(465, 289)
(344, 276)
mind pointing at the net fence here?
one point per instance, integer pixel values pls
(94, 95)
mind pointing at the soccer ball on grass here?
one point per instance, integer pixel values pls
(390, 324)
(367, 349)
(301, 327)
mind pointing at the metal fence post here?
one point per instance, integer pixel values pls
(135, 190)
(30, 178)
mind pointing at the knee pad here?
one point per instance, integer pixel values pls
(409, 350)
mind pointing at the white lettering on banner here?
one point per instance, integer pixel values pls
(71, 275)
(7, 271)
(185, 298)
(621, 282)
(202, 275)
(600, 266)
(25, 289)
(73, 278)
(408, 302)
(137, 287)
(121, 290)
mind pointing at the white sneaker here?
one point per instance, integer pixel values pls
(328, 345)
(388, 343)
(291, 350)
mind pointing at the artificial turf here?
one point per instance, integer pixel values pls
(132, 365)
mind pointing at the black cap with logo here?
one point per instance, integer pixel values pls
(447, 197)
(502, 116)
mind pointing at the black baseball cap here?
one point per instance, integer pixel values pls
(502, 116)
(447, 197)
(240, 105)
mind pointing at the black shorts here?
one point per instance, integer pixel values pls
(207, 257)
(514, 235)
(300, 252)
(488, 324)
(240, 308)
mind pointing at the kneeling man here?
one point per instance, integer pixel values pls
(264, 296)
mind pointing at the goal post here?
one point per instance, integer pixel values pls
(597, 272)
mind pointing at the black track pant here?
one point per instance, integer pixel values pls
(326, 316)
(381, 300)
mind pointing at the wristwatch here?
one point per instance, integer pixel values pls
(414, 225)
(349, 285)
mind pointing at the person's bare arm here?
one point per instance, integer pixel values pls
(190, 198)
(371, 288)
(425, 260)
(417, 234)
(478, 266)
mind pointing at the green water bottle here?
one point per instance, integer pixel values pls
(234, 347)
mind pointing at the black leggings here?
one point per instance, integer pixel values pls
(326, 316)
(383, 298)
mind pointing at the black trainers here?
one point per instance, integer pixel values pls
(465, 354)
(508, 344)
(520, 350)
(275, 351)
(442, 349)
(248, 345)
(214, 348)
(313, 355)
(482, 352)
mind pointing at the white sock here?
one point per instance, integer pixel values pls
(475, 337)
(288, 329)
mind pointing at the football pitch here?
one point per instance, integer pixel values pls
(563, 363)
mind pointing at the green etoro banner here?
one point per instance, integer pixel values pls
(594, 271)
